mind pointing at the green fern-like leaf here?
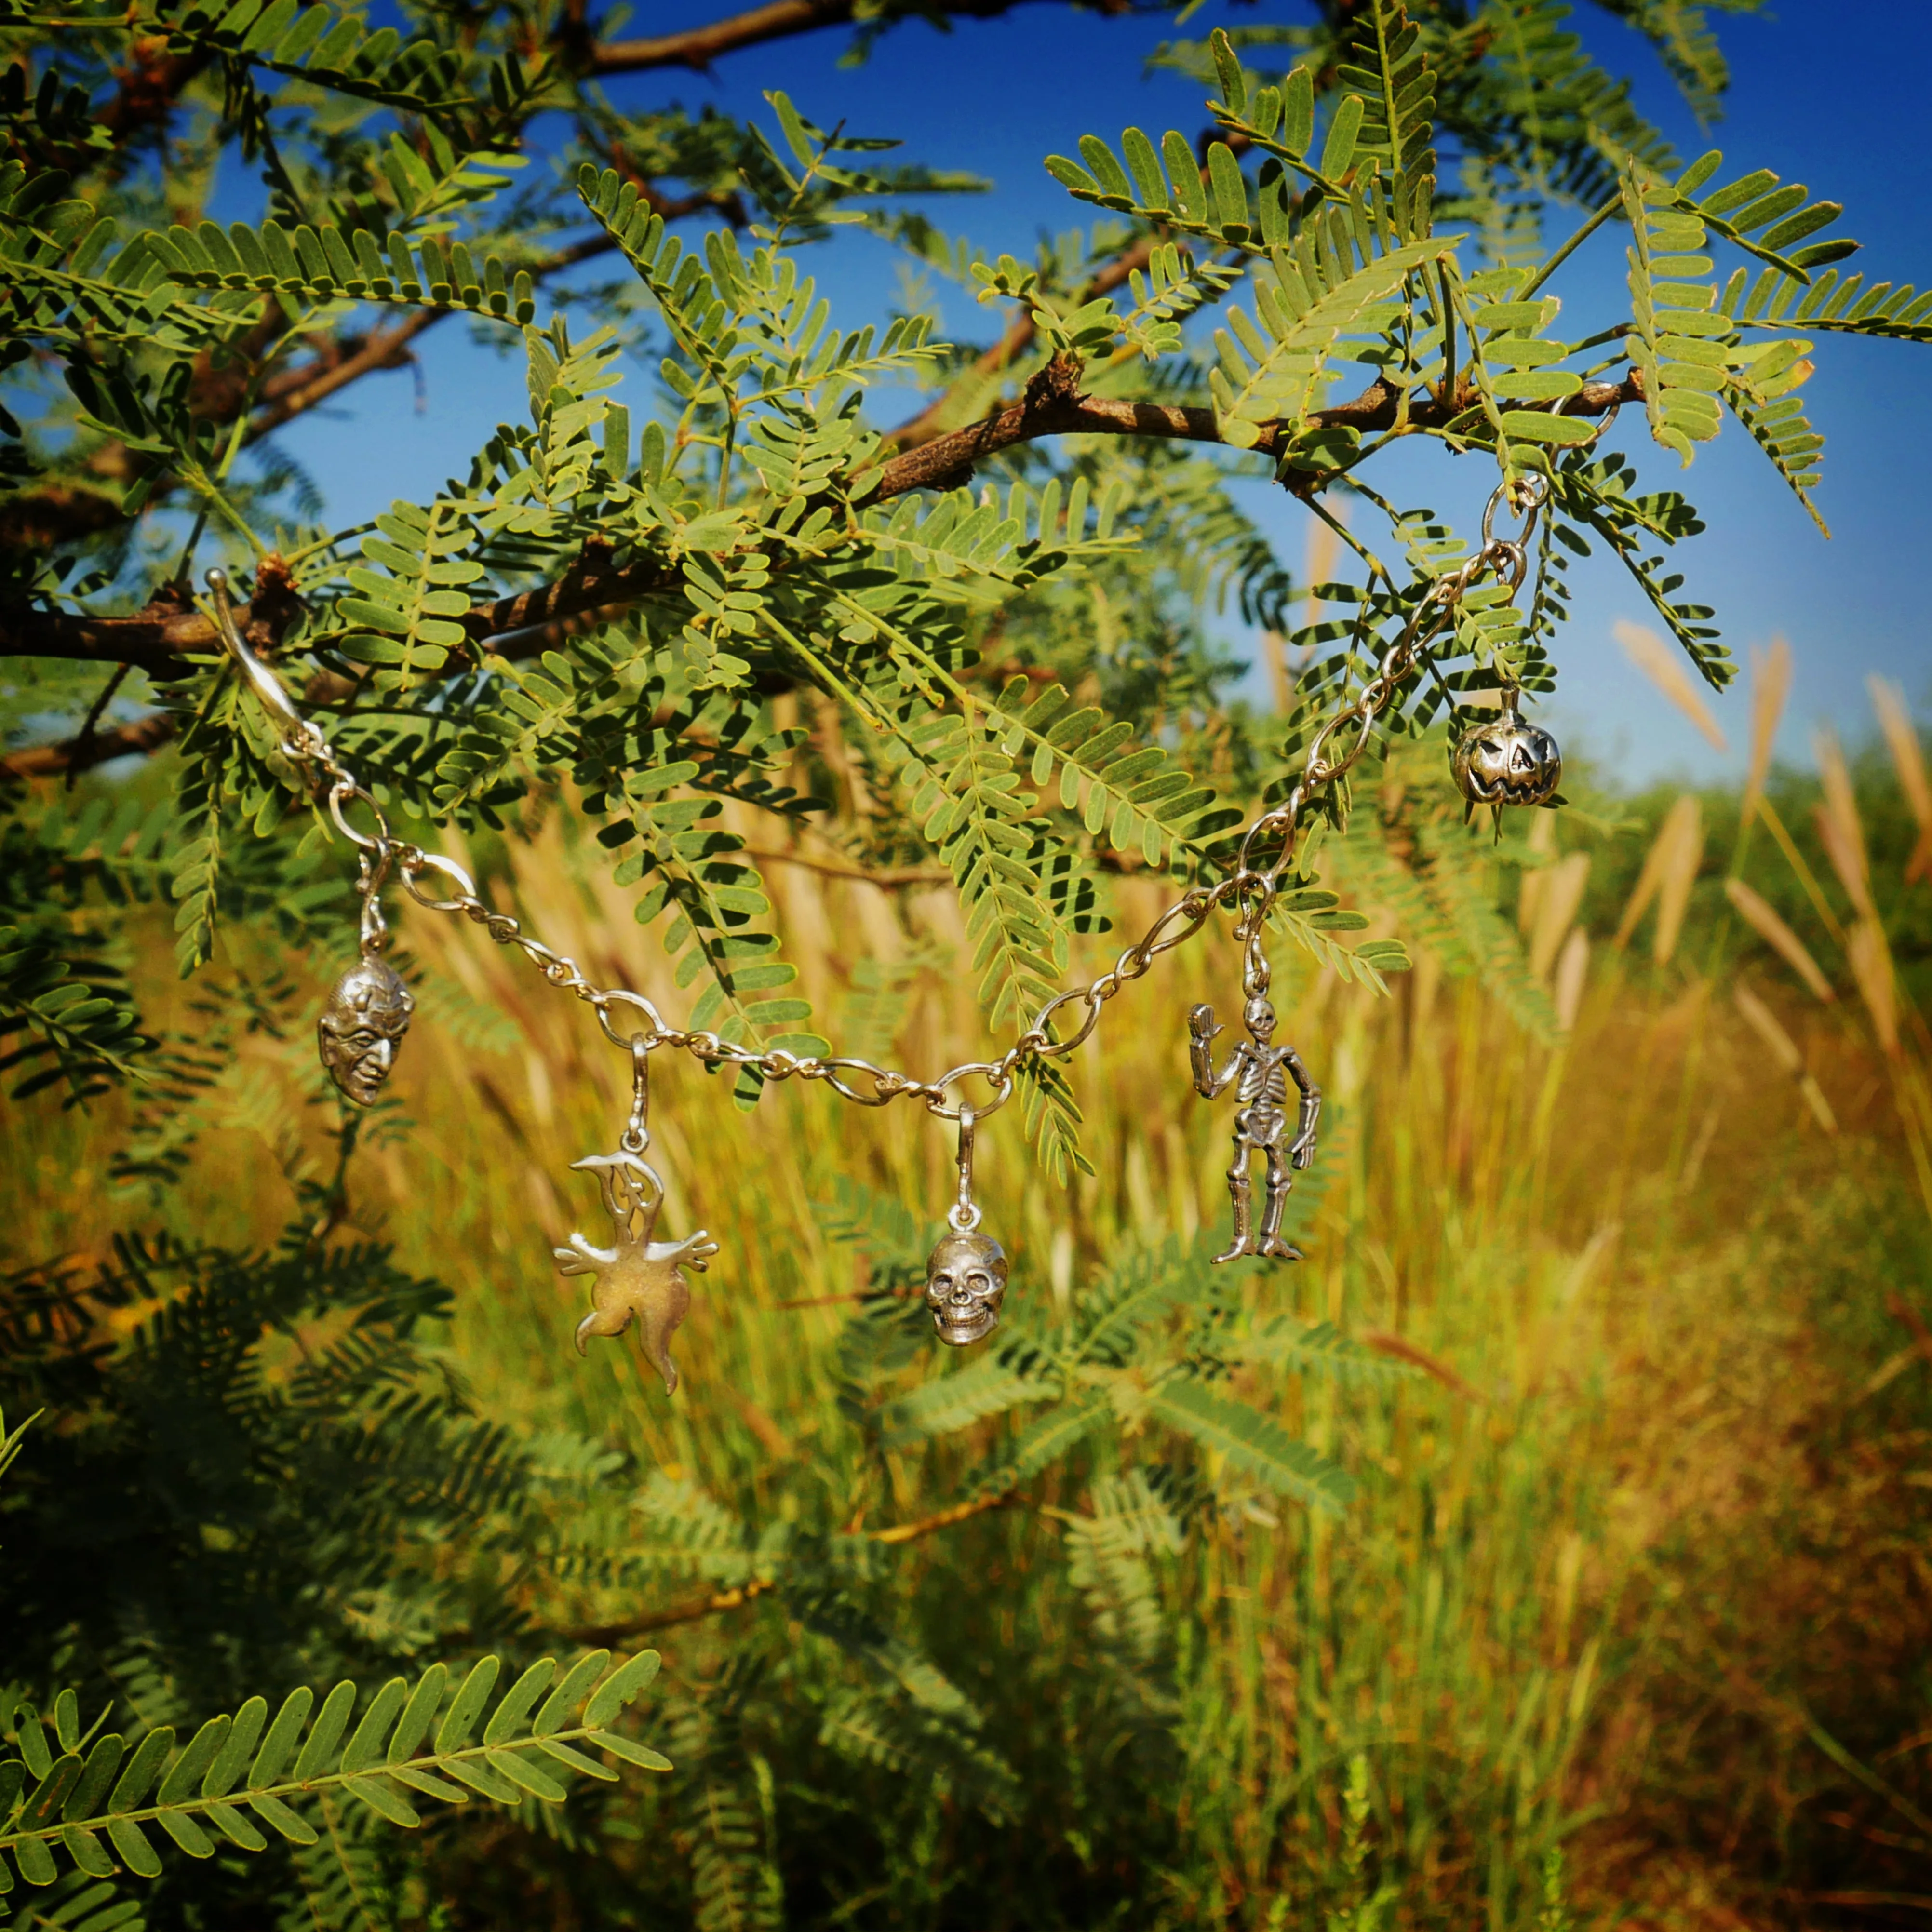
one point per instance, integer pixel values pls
(1679, 341)
(94, 1804)
(1049, 1438)
(1138, 1291)
(1318, 1348)
(974, 813)
(1318, 292)
(1764, 216)
(1254, 1444)
(322, 263)
(895, 1237)
(1895, 311)
(993, 1385)
(1136, 797)
(1781, 429)
(875, 1727)
(416, 600)
(724, 1808)
(1390, 70)
(1109, 1562)
(62, 1019)
(1167, 185)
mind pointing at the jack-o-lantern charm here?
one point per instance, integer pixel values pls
(1507, 761)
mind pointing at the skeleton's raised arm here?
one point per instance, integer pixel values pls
(1201, 1032)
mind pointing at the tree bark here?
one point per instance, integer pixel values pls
(697, 47)
(157, 640)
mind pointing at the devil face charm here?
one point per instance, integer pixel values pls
(362, 1026)
(1508, 762)
(965, 1282)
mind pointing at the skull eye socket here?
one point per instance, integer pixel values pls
(979, 1282)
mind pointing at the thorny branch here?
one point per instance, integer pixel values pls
(88, 749)
(158, 638)
(697, 47)
(1020, 335)
(921, 453)
(60, 511)
(603, 1636)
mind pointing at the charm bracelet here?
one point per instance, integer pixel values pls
(368, 1011)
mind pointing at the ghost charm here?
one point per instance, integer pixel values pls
(362, 1027)
(635, 1276)
(1259, 1072)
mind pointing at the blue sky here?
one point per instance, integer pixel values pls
(1839, 111)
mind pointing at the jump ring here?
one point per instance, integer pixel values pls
(416, 861)
(1536, 489)
(602, 1006)
(339, 796)
(1001, 1082)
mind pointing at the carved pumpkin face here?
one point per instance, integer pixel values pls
(1507, 762)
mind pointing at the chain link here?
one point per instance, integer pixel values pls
(1266, 849)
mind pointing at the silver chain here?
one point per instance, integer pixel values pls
(1267, 848)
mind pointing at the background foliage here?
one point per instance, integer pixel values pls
(1193, 1598)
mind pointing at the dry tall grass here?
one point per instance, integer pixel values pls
(1640, 1565)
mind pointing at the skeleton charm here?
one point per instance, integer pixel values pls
(1259, 1073)
(966, 1274)
(635, 1276)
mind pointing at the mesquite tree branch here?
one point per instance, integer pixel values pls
(1024, 329)
(603, 1635)
(697, 47)
(61, 512)
(157, 639)
(1020, 335)
(293, 392)
(83, 752)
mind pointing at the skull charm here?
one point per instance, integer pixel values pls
(966, 1274)
(965, 1282)
(1508, 762)
(362, 1025)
